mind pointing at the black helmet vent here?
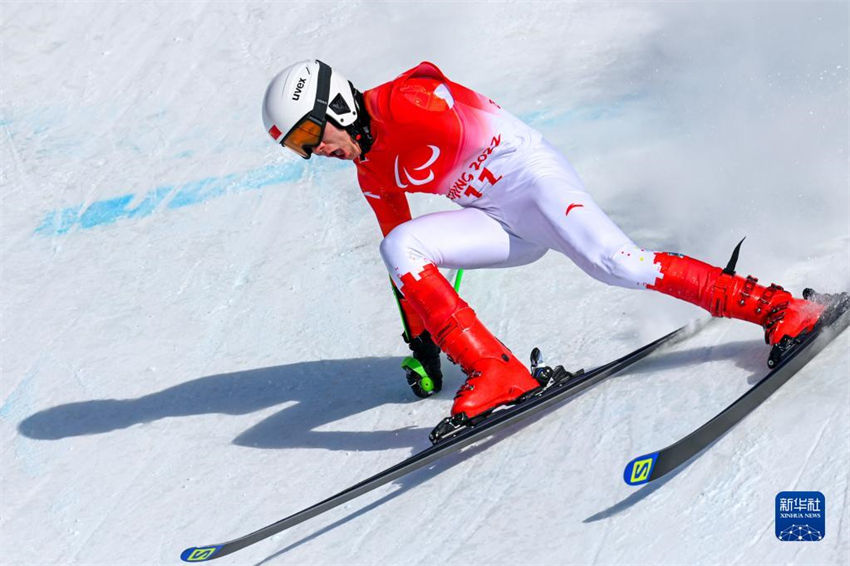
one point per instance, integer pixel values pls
(338, 105)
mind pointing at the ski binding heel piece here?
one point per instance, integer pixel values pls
(836, 304)
(450, 426)
(780, 350)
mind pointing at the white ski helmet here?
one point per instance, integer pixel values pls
(303, 97)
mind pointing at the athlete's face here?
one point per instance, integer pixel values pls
(337, 143)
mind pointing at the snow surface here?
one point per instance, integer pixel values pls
(198, 336)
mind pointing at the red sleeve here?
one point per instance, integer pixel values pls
(391, 209)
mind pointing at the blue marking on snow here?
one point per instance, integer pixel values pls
(105, 211)
(26, 455)
(18, 401)
(140, 205)
(111, 210)
(59, 221)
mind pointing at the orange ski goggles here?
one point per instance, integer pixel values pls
(307, 133)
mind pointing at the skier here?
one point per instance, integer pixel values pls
(519, 198)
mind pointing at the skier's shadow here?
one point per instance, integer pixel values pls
(749, 355)
(748, 350)
(408, 482)
(315, 394)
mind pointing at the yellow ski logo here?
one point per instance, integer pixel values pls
(200, 554)
(640, 470)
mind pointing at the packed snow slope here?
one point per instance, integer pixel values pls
(198, 337)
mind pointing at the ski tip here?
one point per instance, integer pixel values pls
(639, 470)
(199, 553)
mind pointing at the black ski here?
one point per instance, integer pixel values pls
(654, 465)
(562, 385)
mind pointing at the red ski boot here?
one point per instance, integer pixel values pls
(722, 293)
(494, 375)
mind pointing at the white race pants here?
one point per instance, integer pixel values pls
(535, 207)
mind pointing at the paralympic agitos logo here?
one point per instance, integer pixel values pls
(418, 178)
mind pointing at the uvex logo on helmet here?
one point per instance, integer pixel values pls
(298, 88)
(418, 180)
